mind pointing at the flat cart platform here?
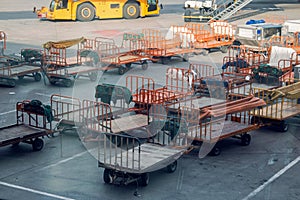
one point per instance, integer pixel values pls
(282, 104)
(8, 74)
(133, 160)
(15, 134)
(32, 124)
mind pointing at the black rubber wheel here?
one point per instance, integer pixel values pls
(37, 144)
(131, 11)
(144, 179)
(128, 65)
(245, 139)
(165, 60)
(85, 12)
(215, 151)
(107, 176)
(122, 70)
(20, 77)
(93, 76)
(68, 82)
(155, 59)
(224, 49)
(172, 167)
(187, 15)
(11, 82)
(145, 66)
(283, 126)
(37, 77)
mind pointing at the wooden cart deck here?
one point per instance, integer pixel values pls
(219, 130)
(19, 70)
(152, 157)
(72, 70)
(277, 112)
(122, 59)
(130, 122)
(19, 132)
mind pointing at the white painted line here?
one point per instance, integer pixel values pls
(273, 178)
(5, 113)
(34, 191)
(64, 161)
(41, 94)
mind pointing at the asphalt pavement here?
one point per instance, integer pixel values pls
(267, 169)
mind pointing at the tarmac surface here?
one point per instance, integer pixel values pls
(267, 169)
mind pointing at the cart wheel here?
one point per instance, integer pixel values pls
(155, 59)
(283, 126)
(172, 167)
(144, 179)
(11, 82)
(122, 70)
(165, 60)
(20, 77)
(128, 65)
(37, 77)
(185, 57)
(14, 145)
(253, 120)
(245, 139)
(107, 176)
(145, 66)
(93, 76)
(224, 49)
(68, 82)
(37, 144)
(215, 151)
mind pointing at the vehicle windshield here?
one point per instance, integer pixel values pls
(52, 5)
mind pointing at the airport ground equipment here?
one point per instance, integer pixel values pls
(87, 10)
(203, 11)
(282, 103)
(34, 121)
(65, 61)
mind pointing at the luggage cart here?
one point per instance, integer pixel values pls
(145, 93)
(131, 146)
(163, 48)
(32, 124)
(61, 66)
(18, 67)
(218, 121)
(121, 58)
(281, 104)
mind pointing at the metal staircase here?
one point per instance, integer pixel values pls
(225, 13)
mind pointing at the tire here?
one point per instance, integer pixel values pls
(128, 65)
(131, 11)
(68, 82)
(107, 176)
(37, 144)
(172, 167)
(145, 66)
(37, 77)
(144, 179)
(215, 151)
(187, 13)
(85, 12)
(245, 139)
(283, 126)
(20, 77)
(165, 60)
(11, 83)
(122, 70)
